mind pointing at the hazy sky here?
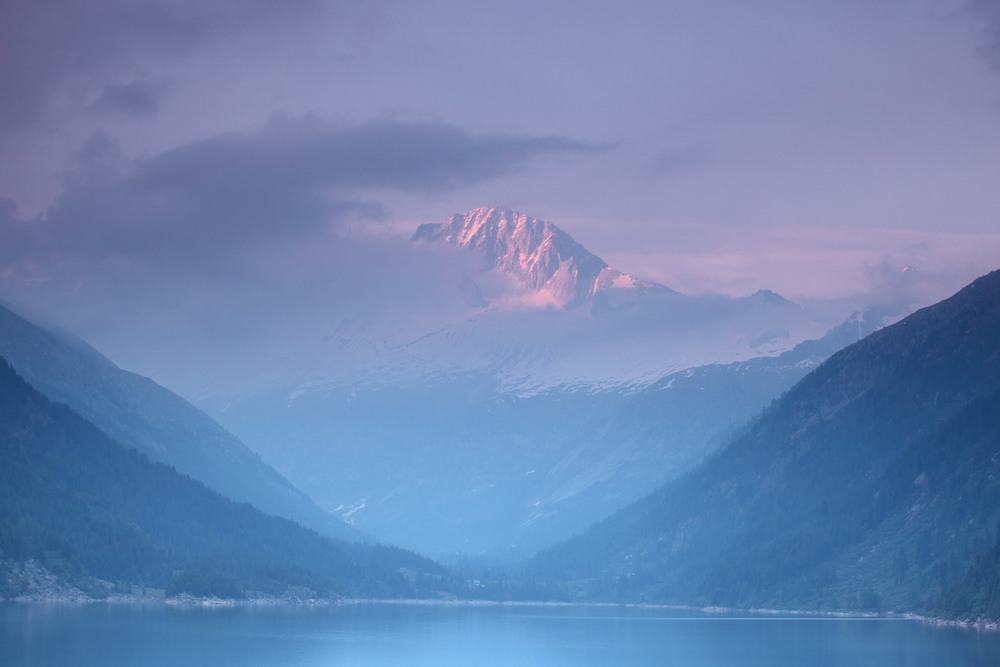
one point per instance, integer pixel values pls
(161, 159)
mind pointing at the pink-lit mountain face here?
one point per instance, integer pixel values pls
(547, 260)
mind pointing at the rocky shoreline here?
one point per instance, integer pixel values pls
(33, 583)
(30, 582)
(982, 624)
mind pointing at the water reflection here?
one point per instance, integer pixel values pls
(439, 635)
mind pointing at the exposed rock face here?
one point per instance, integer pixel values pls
(29, 581)
(543, 257)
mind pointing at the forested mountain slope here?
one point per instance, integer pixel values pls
(139, 413)
(873, 483)
(105, 519)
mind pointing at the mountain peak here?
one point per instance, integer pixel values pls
(766, 296)
(544, 258)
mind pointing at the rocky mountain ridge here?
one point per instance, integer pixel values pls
(559, 271)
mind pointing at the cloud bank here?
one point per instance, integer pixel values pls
(295, 179)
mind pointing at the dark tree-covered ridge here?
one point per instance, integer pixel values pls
(104, 518)
(873, 484)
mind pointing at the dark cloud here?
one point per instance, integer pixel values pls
(46, 46)
(293, 180)
(140, 98)
(987, 15)
(309, 153)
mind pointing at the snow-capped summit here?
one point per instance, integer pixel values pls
(543, 257)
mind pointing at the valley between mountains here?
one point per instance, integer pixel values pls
(561, 391)
(567, 432)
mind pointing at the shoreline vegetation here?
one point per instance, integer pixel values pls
(62, 594)
(42, 587)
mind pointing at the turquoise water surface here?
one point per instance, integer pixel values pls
(416, 635)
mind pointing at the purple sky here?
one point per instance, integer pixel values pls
(162, 158)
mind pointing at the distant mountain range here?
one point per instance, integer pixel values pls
(874, 484)
(559, 316)
(542, 408)
(870, 482)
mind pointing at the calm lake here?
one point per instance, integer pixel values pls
(389, 635)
